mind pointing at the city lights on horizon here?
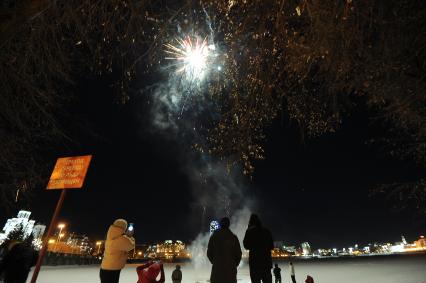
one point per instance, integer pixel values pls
(72, 243)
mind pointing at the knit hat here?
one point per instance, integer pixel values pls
(120, 223)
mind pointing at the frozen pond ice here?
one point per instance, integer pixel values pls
(404, 269)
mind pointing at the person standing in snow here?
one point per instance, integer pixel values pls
(277, 274)
(224, 253)
(177, 275)
(292, 273)
(258, 240)
(117, 246)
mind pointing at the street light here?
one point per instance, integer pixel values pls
(60, 234)
(99, 243)
(61, 226)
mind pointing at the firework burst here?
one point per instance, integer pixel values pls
(193, 57)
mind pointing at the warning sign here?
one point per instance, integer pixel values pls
(69, 172)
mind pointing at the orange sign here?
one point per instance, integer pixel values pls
(69, 172)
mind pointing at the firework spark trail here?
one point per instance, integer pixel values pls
(192, 57)
(194, 63)
(209, 22)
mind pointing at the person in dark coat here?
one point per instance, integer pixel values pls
(177, 275)
(17, 262)
(224, 252)
(258, 240)
(277, 274)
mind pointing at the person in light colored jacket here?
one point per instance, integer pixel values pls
(117, 246)
(292, 273)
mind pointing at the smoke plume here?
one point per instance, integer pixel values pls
(181, 112)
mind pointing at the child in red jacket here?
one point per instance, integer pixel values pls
(147, 273)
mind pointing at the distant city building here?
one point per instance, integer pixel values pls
(397, 248)
(420, 243)
(151, 251)
(306, 248)
(280, 250)
(38, 231)
(290, 249)
(73, 244)
(168, 250)
(141, 251)
(28, 226)
(79, 242)
(403, 240)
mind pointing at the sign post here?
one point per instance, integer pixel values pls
(69, 173)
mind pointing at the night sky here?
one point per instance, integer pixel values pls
(315, 190)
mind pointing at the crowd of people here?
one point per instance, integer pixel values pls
(223, 251)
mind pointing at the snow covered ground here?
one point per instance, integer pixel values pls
(406, 269)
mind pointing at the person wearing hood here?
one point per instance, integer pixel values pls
(117, 246)
(224, 252)
(147, 273)
(258, 240)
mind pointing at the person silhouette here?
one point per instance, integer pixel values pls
(292, 273)
(258, 240)
(224, 252)
(277, 274)
(118, 243)
(177, 275)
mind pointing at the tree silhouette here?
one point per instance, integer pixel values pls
(313, 61)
